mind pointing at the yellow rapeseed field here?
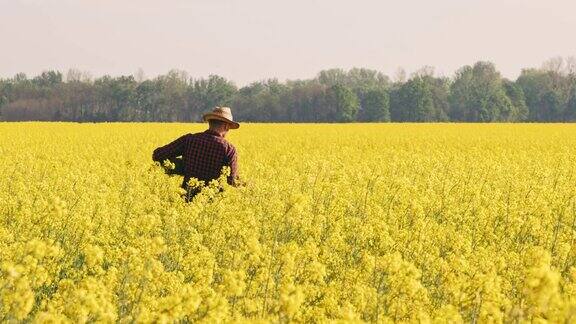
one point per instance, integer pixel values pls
(376, 222)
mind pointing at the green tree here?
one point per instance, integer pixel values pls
(4, 89)
(48, 79)
(420, 99)
(342, 104)
(332, 77)
(205, 94)
(570, 111)
(114, 98)
(535, 83)
(440, 88)
(516, 94)
(547, 91)
(173, 92)
(375, 106)
(355, 79)
(262, 101)
(478, 95)
(146, 101)
(417, 103)
(306, 101)
(360, 78)
(551, 107)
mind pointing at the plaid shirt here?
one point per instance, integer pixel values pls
(203, 156)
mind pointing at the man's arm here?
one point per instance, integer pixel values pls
(233, 164)
(171, 150)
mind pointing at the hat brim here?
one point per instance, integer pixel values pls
(233, 124)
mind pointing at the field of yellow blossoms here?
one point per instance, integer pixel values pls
(367, 223)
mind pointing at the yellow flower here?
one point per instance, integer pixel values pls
(341, 223)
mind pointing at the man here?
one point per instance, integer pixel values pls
(204, 154)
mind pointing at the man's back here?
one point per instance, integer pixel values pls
(203, 156)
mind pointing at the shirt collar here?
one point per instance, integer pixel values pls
(211, 132)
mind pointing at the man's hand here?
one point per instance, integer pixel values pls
(174, 166)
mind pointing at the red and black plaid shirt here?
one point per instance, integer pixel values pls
(203, 155)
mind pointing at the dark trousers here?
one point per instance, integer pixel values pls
(191, 193)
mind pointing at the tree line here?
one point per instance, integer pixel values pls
(476, 93)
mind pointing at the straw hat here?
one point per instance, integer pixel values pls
(223, 114)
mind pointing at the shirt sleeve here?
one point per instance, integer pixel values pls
(171, 150)
(232, 156)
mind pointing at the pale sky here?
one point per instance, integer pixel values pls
(250, 40)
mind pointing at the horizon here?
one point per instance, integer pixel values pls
(568, 63)
(408, 75)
